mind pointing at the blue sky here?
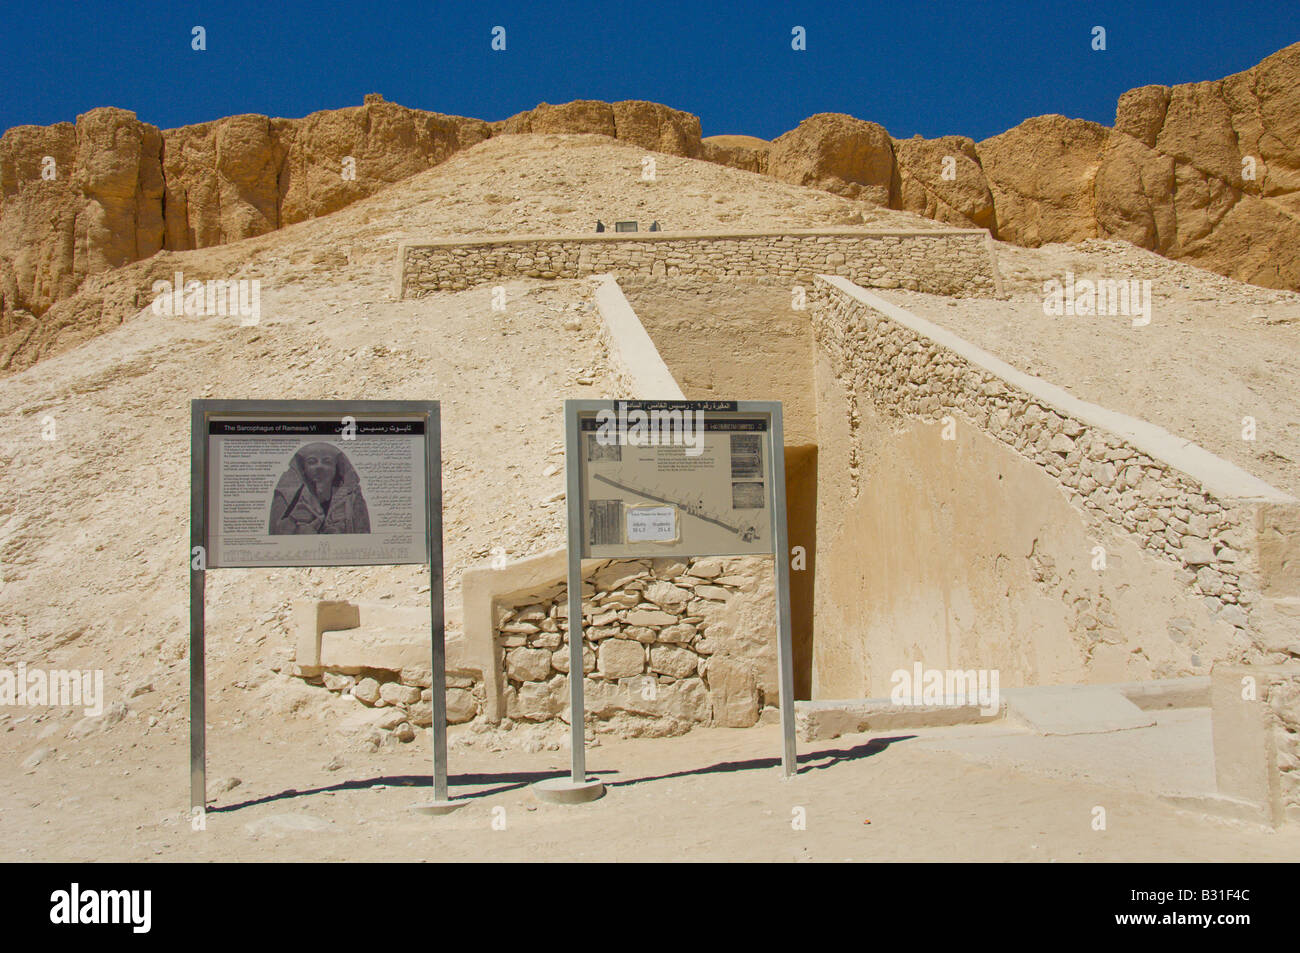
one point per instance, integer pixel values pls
(974, 68)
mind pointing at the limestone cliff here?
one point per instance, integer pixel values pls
(1204, 172)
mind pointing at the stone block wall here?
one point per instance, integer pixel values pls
(667, 644)
(950, 262)
(1256, 711)
(1211, 532)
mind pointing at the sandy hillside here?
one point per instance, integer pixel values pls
(1216, 350)
(520, 184)
(94, 525)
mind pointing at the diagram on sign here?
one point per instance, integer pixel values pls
(708, 495)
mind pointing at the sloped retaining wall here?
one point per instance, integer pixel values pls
(892, 386)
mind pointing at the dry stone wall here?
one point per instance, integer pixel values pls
(1212, 538)
(956, 262)
(407, 696)
(667, 644)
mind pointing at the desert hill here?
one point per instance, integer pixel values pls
(1207, 173)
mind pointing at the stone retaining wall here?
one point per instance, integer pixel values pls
(950, 262)
(667, 644)
(1184, 505)
(1257, 737)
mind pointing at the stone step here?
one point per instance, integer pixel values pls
(1074, 709)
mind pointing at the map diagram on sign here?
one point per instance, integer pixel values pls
(708, 495)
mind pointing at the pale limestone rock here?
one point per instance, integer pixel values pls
(706, 568)
(674, 661)
(1197, 552)
(715, 593)
(395, 693)
(667, 568)
(681, 632)
(366, 690)
(733, 691)
(560, 660)
(528, 665)
(620, 658)
(338, 683)
(539, 701)
(648, 617)
(419, 676)
(667, 596)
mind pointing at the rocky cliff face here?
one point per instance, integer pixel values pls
(80, 200)
(1205, 172)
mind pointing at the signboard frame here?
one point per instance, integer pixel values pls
(574, 410)
(202, 411)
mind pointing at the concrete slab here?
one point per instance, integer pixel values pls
(1074, 709)
(1172, 759)
(820, 720)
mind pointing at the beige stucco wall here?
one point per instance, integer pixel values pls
(738, 340)
(962, 554)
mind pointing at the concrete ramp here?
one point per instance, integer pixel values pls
(1074, 709)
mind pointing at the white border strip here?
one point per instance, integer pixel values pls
(631, 346)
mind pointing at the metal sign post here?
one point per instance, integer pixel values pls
(237, 447)
(729, 502)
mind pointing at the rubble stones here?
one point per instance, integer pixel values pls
(395, 693)
(645, 663)
(619, 658)
(366, 690)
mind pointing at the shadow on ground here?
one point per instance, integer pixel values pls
(501, 782)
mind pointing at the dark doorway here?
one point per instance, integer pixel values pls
(801, 519)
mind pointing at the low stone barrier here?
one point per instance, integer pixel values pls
(667, 644)
(957, 262)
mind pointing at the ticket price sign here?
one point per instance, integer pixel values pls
(315, 483)
(675, 478)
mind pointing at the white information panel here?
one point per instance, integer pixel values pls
(315, 483)
(672, 478)
(675, 478)
(314, 491)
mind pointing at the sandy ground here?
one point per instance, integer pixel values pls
(988, 793)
